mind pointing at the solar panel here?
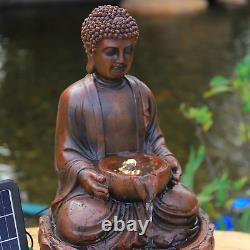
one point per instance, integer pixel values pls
(12, 230)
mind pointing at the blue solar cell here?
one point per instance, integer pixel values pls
(1, 206)
(6, 245)
(6, 202)
(11, 226)
(3, 229)
(12, 230)
(14, 244)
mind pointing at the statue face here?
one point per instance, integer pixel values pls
(113, 58)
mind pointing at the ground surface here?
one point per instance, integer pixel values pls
(223, 240)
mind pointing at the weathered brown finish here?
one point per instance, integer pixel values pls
(111, 114)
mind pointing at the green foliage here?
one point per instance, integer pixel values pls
(214, 190)
(245, 96)
(218, 194)
(201, 115)
(194, 162)
(244, 132)
(219, 81)
(218, 84)
(244, 220)
(239, 184)
(242, 71)
(238, 85)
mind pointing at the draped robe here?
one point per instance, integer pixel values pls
(80, 145)
(79, 131)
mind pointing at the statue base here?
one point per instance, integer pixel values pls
(48, 239)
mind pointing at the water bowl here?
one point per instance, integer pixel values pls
(135, 177)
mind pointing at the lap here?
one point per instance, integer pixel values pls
(180, 200)
(79, 219)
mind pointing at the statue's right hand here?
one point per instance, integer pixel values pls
(94, 183)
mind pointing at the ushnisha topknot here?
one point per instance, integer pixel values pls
(110, 22)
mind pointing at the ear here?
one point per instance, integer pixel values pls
(90, 63)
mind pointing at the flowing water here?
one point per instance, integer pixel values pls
(149, 210)
(41, 54)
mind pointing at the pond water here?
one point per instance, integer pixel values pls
(41, 53)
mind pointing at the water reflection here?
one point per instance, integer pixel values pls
(41, 53)
(7, 172)
(2, 61)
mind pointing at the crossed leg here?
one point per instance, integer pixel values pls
(79, 219)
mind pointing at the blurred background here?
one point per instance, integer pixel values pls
(193, 57)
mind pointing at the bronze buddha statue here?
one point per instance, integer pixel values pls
(106, 113)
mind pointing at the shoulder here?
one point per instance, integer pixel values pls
(76, 92)
(144, 89)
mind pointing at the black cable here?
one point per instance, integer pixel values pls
(27, 220)
(31, 239)
(39, 212)
(34, 215)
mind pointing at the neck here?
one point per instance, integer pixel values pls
(106, 82)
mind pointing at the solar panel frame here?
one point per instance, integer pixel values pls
(15, 201)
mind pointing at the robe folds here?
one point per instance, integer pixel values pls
(79, 130)
(80, 144)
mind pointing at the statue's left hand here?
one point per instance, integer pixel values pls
(175, 168)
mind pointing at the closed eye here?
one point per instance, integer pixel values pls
(111, 51)
(129, 49)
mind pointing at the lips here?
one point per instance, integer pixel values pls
(119, 67)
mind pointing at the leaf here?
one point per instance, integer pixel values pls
(228, 203)
(209, 190)
(219, 81)
(193, 164)
(245, 220)
(217, 90)
(204, 198)
(206, 194)
(245, 96)
(201, 115)
(221, 198)
(236, 83)
(243, 69)
(239, 184)
(184, 109)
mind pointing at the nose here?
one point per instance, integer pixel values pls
(121, 57)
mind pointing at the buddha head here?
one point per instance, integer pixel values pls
(109, 35)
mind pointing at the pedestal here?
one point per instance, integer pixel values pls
(49, 241)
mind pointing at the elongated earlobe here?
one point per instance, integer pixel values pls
(90, 65)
